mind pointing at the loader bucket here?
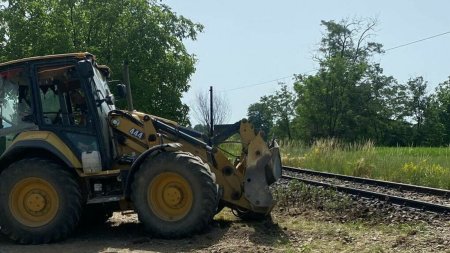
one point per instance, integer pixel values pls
(263, 169)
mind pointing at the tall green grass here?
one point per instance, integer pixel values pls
(414, 165)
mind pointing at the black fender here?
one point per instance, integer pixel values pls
(28, 148)
(154, 151)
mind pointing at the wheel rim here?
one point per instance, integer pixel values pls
(170, 196)
(33, 202)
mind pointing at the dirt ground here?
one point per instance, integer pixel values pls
(306, 219)
(123, 233)
(292, 231)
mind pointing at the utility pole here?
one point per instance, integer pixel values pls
(211, 111)
(126, 77)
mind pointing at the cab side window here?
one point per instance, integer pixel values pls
(62, 97)
(16, 112)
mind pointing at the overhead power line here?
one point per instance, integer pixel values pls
(284, 77)
(256, 84)
(417, 41)
(265, 82)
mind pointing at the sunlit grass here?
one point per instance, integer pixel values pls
(415, 165)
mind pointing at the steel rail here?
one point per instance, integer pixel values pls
(376, 182)
(371, 194)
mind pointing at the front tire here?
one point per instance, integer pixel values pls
(174, 194)
(40, 201)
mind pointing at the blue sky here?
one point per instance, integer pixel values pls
(249, 42)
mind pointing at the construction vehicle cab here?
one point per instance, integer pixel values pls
(65, 148)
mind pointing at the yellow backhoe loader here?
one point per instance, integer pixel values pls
(66, 149)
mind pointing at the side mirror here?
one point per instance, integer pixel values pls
(85, 69)
(122, 90)
(110, 99)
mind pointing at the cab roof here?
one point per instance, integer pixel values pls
(79, 55)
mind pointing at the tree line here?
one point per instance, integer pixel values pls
(350, 98)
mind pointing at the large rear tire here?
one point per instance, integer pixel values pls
(40, 201)
(174, 194)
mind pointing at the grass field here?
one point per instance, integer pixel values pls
(428, 166)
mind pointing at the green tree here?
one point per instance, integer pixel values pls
(275, 112)
(201, 128)
(146, 33)
(418, 103)
(261, 117)
(283, 111)
(441, 104)
(433, 129)
(349, 97)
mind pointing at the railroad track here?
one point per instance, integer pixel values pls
(425, 198)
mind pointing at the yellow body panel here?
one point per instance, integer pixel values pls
(56, 142)
(53, 140)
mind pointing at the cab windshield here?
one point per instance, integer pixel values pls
(102, 91)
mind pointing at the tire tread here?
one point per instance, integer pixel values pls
(70, 216)
(199, 170)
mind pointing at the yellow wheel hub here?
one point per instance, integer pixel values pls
(33, 202)
(170, 196)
